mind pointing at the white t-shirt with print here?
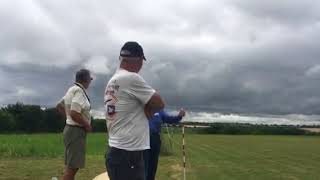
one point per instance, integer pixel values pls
(125, 97)
(76, 100)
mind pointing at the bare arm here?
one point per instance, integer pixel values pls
(77, 117)
(61, 108)
(155, 104)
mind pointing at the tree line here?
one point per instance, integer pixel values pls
(245, 129)
(22, 118)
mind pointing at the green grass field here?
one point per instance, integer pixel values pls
(219, 157)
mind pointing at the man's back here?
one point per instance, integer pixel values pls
(76, 95)
(125, 97)
(128, 100)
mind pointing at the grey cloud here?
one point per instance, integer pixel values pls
(268, 79)
(232, 56)
(285, 12)
(38, 84)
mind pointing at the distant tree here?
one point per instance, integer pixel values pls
(32, 119)
(28, 118)
(16, 110)
(98, 125)
(53, 120)
(7, 122)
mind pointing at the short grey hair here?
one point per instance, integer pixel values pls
(83, 75)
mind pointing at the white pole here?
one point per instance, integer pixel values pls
(184, 154)
(168, 131)
(170, 138)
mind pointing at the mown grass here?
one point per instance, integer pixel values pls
(221, 157)
(249, 157)
(40, 156)
(45, 145)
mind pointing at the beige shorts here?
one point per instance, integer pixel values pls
(75, 146)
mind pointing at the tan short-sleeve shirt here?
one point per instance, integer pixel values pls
(75, 99)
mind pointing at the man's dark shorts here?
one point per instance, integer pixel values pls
(125, 165)
(75, 146)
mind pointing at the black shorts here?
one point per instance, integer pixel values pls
(125, 165)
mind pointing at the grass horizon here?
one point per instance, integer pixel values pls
(40, 156)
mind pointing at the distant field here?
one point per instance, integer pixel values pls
(317, 130)
(219, 157)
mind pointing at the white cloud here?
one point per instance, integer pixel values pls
(31, 36)
(313, 71)
(22, 91)
(100, 64)
(206, 117)
(291, 119)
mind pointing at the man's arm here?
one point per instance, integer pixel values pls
(155, 104)
(77, 117)
(146, 94)
(61, 108)
(76, 108)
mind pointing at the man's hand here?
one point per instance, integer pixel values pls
(77, 117)
(148, 112)
(88, 128)
(182, 113)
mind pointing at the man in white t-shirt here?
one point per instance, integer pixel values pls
(128, 101)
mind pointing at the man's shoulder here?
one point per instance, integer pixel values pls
(73, 89)
(71, 92)
(126, 73)
(123, 75)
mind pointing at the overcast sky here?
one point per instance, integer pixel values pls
(229, 56)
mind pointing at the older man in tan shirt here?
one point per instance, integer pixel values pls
(75, 106)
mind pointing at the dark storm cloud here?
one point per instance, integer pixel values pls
(230, 57)
(278, 78)
(35, 84)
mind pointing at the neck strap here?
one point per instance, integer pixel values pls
(79, 85)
